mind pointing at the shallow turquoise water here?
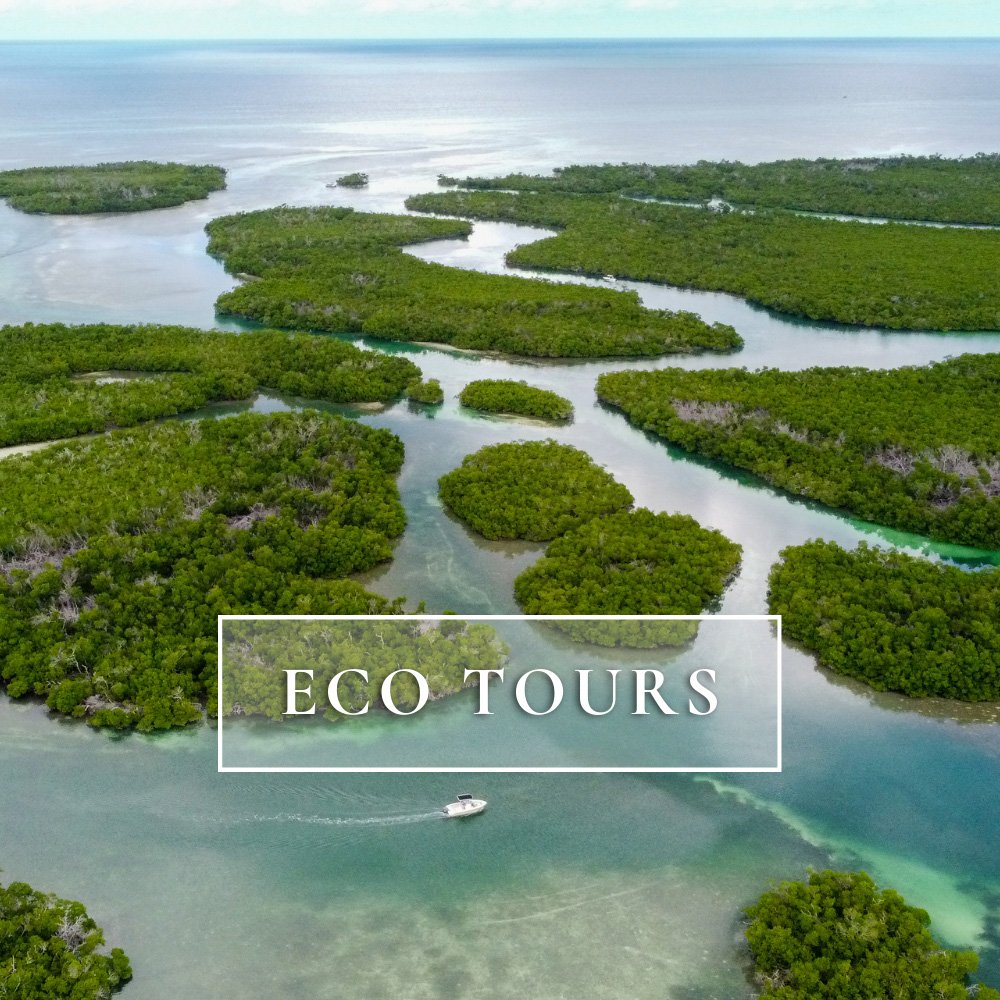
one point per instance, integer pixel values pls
(321, 886)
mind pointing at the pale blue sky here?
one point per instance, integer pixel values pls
(83, 19)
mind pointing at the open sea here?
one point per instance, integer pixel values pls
(348, 887)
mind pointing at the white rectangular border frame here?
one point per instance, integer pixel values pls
(510, 770)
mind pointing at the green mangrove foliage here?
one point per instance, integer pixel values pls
(429, 392)
(257, 654)
(134, 186)
(496, 395)
(343, 271)
(630, 563)
(930, 188)
(51, 948)
(118, 553)
(914, 448)
(898, 276)
(896, 622)
(838, 936)
(530, 489)
(355, 180)
(43, 396)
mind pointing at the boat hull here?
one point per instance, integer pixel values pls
(464, 807)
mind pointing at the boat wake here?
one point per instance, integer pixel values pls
(345, 821)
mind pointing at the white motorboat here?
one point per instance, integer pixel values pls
(464, 805)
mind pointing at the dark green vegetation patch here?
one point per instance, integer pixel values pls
(429, 392)
(258, 653)
(494, 395)
(355, 180)
(118, 553)
(929, 188)
(914, 448)
(343, 271)
(534, 490)
(42, 394)
(896, 622)
(51, 947)
(839, 937)
(134, 186)
(899, 276)
(632, 562)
